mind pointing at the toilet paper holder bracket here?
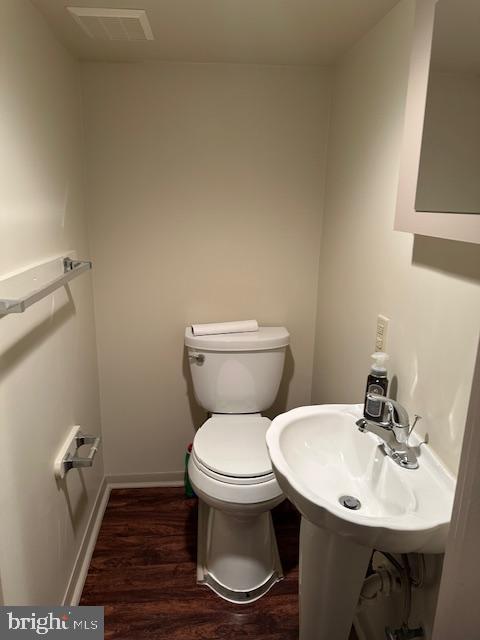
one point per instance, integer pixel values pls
(68, 457)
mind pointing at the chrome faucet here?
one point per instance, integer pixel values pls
(394, 432)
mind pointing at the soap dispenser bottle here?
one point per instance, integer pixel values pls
(377, 382)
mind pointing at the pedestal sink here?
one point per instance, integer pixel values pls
(353, 499)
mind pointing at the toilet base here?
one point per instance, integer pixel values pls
(237, 554)
(239, 597)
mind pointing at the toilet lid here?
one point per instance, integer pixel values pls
(234, 445)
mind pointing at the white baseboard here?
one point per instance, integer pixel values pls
(84, 555)
(156, 479)
(78, 576)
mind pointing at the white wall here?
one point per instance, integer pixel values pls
(48, 374)
(429, 288)
(205, 196)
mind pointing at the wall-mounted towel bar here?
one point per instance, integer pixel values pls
(71, 269)
(68, 458)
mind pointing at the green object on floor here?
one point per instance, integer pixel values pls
(189, 492)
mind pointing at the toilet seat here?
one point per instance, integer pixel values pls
(225, 492)
(232, 448)
(230, 479)
(230, 462)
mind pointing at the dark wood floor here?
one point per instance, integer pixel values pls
(143, 572)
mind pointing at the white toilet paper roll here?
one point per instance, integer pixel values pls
(212, 328)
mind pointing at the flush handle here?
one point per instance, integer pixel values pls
(199, 358)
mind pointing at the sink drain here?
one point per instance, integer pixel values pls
(350, 502)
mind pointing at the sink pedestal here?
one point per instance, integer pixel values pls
(332, 571)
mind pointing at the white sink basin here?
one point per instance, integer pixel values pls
(319, 456)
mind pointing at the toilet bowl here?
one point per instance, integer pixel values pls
(235, 376)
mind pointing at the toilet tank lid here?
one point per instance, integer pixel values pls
(263, 339)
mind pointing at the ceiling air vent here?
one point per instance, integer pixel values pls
(113, 24)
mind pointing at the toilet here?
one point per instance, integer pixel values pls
(235, 377)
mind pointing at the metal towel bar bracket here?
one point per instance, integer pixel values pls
(68, 457)
(71, 269)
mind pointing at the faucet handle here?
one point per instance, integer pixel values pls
(416, 418)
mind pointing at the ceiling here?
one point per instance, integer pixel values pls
(244, 31)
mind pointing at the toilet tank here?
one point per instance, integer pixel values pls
(237, 372)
